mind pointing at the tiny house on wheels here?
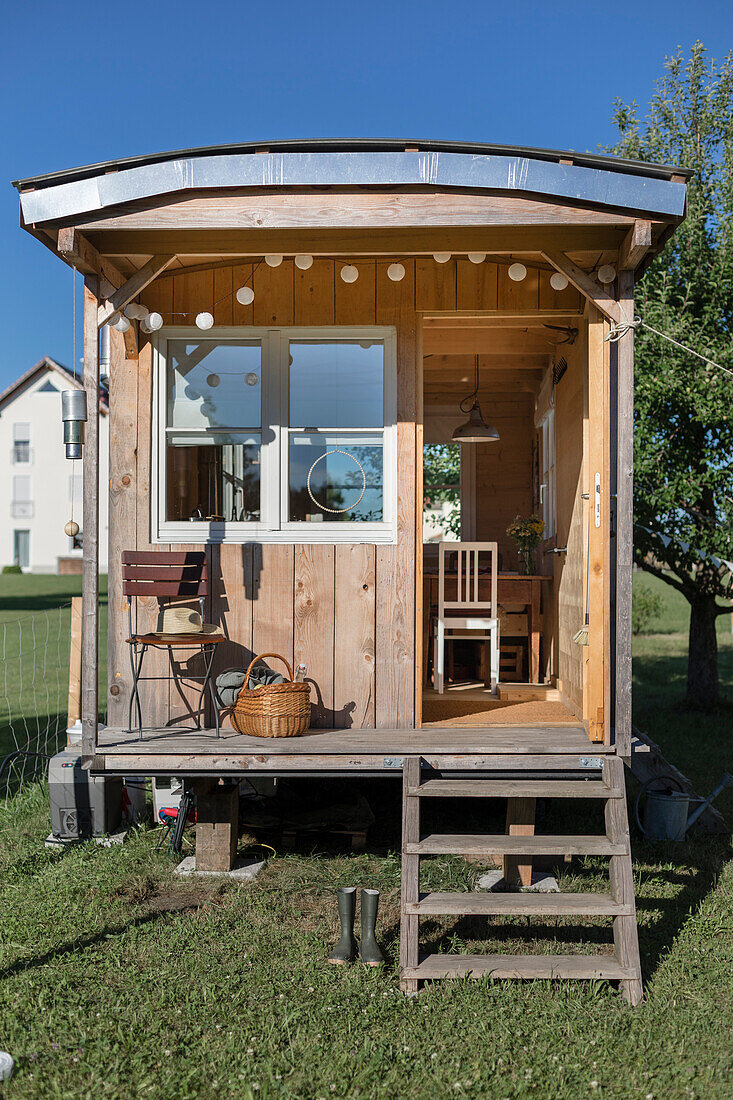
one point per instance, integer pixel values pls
(371, 411)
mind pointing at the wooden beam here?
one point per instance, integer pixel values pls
(75, 250)
(637, 243)
(592, 290)
(90, 568)
(217, 824)
(624, 517)
(385, 242)
(134, 286)
(74, 704)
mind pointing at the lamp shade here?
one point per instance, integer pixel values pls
(475, 430)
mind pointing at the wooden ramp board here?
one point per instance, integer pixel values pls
(476, 844)
(518, 966)
(514, 788)
(522, 904)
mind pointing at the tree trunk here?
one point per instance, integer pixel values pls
(702, 660)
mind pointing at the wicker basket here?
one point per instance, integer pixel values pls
(272, 710)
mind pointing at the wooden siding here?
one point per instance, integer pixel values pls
(347, 611)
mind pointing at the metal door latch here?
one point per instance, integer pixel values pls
(392, 762)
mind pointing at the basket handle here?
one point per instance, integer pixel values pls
(261, 657)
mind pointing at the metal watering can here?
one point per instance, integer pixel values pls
(666, 811)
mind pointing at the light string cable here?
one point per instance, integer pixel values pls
(618, 331)
(229, 294)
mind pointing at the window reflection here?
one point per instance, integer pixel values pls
(336, 478)
(337, 384)
(217, 479)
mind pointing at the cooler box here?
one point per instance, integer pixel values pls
(82, 805)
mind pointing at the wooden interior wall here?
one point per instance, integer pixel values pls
(347, 611)
(571, 520)
(504, 470)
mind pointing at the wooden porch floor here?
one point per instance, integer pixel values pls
(165, 751)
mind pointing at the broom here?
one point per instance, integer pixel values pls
(582, 636)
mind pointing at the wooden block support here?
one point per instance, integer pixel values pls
(74, 704)
(217, 824)
(520, 816)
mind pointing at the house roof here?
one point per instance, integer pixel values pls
(71, 378)
(577, 177)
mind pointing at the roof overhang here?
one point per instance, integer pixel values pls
(626, 186)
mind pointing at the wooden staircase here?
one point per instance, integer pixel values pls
(623, 966)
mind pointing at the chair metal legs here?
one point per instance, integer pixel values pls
(137, 655)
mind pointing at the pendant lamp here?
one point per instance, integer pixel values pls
(475, 430)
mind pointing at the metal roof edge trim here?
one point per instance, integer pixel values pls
(441, 169)
(617, 164)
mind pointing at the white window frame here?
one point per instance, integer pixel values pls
(274, 482)
(547, 484)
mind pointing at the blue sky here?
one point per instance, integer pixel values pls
(84, 82)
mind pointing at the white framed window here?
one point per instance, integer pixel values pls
(21, 444)
(275, 435)
(547, 480)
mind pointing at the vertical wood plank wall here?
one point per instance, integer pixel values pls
(347, 611)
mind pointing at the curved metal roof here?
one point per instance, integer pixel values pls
(340, 145)
(596, 181)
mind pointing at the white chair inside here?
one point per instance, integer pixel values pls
(476, 563)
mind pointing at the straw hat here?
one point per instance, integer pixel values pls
(182, 620)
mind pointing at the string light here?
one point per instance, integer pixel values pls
(607, 273)
(350, 273)
(154, 321)
(245, 296)
(517, 272)
(273, 260)
(441, 257)
(477, 257)
(121, 324)
(558, 281)
(135, 311)
(204, 320)
(396, 272)
(304, 262)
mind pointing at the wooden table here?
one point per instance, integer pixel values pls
(511, 588)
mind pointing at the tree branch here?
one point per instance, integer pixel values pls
(664, 577)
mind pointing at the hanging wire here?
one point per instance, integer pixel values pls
(618, 331)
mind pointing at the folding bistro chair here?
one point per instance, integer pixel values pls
(478, 614)
(174, 578)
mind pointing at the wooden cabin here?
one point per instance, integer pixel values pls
(323, 312)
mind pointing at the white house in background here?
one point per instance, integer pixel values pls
(37, 481)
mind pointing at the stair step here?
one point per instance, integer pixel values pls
(515, 788)
(477, 844)
(519, 966)
(521, 904)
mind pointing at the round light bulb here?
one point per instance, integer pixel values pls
(441, 257)
(477, 257)
(155, 321)
(245, 295)
(349, 273)
(304, 262)
(204, 320)
(558, 281)
(395, 272)
(273, 260)
(145, 327)
(607, 273)
(213, 380)
(72, 528)
(251, 379)
(517, 272)
(121, 324)
(135, 311)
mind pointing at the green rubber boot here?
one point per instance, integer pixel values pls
(369, 952)
(345, 949)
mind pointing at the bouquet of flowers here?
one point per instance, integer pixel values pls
(527, 533)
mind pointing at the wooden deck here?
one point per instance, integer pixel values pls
(377, 751)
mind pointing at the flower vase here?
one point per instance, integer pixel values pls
(527, 564)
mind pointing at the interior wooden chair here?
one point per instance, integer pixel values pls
(172, 577)
(467, 612)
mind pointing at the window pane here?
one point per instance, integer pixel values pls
(346, 475)
(336, 384)
(213, 385)
(215, 478)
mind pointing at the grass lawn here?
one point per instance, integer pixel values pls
(118, 980)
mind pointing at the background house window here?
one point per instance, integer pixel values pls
(266, 433)
(22, 549)
(21, 444)
(21, 504)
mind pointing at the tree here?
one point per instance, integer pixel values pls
(683, 425)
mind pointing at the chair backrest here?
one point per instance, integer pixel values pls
(475, 562)
(169, 575)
